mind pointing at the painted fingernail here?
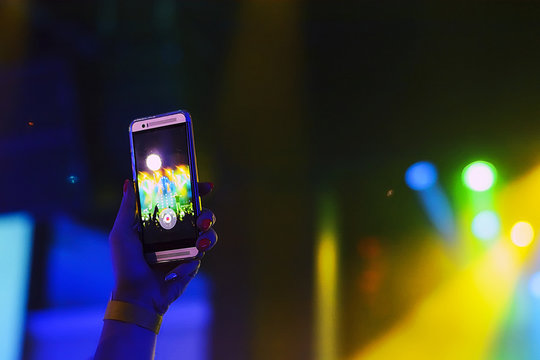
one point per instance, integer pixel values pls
(206, 224)
(204, 244)
(170, 277)
(126, 184)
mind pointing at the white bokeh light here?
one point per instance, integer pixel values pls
(479, 176)
(153, 162)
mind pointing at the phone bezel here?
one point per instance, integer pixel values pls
(169, 251)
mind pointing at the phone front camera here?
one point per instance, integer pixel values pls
(143, 126)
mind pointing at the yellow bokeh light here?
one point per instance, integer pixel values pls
(522, 234)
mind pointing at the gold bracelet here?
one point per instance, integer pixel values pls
(133, 314)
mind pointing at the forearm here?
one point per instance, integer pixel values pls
(121, 340)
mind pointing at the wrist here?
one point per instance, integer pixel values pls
(130, 313)
(138, 298)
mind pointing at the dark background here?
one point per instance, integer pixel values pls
(290, 101)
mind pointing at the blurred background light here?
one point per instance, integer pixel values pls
(486, 225)
(522, 233)
(479, 175)
(326, 281)
(421, 175)
(534, 285)
(73, 179)
(16, 232)
(439, 211)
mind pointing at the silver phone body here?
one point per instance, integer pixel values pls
(173, 252)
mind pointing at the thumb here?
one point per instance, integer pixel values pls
(177, 280)
(126, 214)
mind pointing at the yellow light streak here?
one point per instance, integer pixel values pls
(14, 30)
(460, 319)
(326, 282)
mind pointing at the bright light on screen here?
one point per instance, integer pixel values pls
(15, 253)
(153, 162)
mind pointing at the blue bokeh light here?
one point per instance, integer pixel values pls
(73, 179)
(421, 175)
(486, 225)
(16, 232)
(534, 285)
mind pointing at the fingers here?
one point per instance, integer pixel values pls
(126, 248)
(177, 280)
(205, 220)
(208, 237)
(205, 188)
(206, 240)
(187, 269)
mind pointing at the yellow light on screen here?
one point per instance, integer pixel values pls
(522, 234)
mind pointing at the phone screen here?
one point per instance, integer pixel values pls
(166, 201)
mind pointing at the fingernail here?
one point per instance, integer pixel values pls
(211, 185)
(170, 277)
(204, 244)
(206, 224)
(126, 184)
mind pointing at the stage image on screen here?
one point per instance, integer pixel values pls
(165, 196)
(164, 184)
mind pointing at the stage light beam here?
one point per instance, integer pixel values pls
(479, 176)
(422, 177)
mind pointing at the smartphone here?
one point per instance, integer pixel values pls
(165, 176)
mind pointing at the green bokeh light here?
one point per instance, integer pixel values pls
(479, 176)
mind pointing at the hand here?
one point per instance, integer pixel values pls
(136, 282)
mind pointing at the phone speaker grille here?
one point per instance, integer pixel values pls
(161, 122)
(173, 255)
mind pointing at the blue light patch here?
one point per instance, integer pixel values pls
(421, 175)
(16, 232)
(73, 179)
(534, 285)
(486, 225)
